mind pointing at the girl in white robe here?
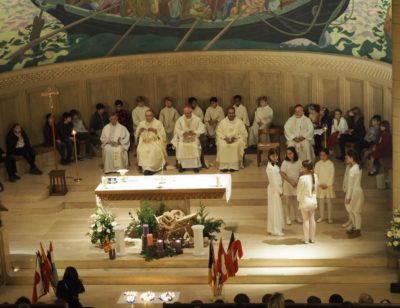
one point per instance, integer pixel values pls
(325, 171)
(354, 200)
(275, 222)
(290, 172)
(306, 195)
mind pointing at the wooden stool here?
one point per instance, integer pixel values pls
(58, 185)
(265, 147)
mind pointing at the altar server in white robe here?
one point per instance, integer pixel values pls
(307, 198)
(214, 115)
(231, 142)
(186, 141)
(241, 110)
(196, 110)
(168, 117)
(275, 222)
(299, 132)
(139, 111)
(115, 142)
(151, 138)
(354, 199)
(262, 119)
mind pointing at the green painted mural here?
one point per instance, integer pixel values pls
(97, 28)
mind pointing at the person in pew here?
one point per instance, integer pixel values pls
(188, 130)
(262, 119)
(123, 114)
(383, 149)
(151, 140)
(138, 113)
(115, 142)
(168, 117)
(241, 110)
(324, 122)
(372, 135)
(65, 133)
(339, 127)
(82, 134)
(99, 119)
(231, 138)
(48, 138)
(11, 167)
(69, 288)
(18, 144)
(299, 133)
(214, 115)
(195, 107)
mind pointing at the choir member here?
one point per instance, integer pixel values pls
(262, 119)
(115, 142)
(168, 117)
(275, 222)
(372, 135)
(65, 132)
(339, 127)
(186, 141)
(123, 114)
(231, 142)
(299, 132)
(241, 110)
(195, 108)
(99, 119)
(82, 133)
(383, 149)
(138, 113)
(214, 115)
(151, 138)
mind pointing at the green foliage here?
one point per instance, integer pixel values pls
(212, 226)
(102, 225)
(145, 216)
(150, 255)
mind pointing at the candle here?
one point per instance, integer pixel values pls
(104, 181)
(325, 129)
(178, 246)
(160, 246)
(145, 229)
(218, 181)
(150, 239)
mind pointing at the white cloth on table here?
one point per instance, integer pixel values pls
(264, 116)
(275, 221)
(292, 170)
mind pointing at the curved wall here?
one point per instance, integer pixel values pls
(287, 78)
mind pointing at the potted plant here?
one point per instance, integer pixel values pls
(212, 226)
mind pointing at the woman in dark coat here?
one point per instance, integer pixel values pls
(69, 288)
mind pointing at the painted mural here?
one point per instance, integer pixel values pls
(32, 31)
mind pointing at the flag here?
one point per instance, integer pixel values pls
(54, 274)
(221, 264)
(38, 286)
(211, 266)
(234, 251)
(46, 269)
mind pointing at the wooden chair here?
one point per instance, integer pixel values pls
(266, 146)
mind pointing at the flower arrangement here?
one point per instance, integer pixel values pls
(102, 224)
(393, 234)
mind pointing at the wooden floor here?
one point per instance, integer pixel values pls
(281, 263)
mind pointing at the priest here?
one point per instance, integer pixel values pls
(299, 133)
(168, 117)
(115, 142)
(186, 141)
(151, 138)
(231, 142)
(138, 112)
(214, 115)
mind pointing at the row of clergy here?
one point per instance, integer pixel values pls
(231, 136)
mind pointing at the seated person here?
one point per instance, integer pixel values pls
(82, 134)
(262, 120)
(98, 120)
(299, 133)
(48, 138)
(241, 110)
(65, 133)
(138, 113)
(151, 138)
(115, 142)
(231, 142)
(196, 110)
(324, 121)
(214, 115)
(383, 149)
(372, 135)
(69, 288)
(168, 117)
(186, 141)
(339, 127)
(18, 144)
(11, 167)
(123, 114)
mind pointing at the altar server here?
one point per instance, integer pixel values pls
(241, 110)
(306, 195)
(168, 117)
(151, 138)
(188, 129)
(139, 111)
(299, 132)
(290, 172)
(115, 144)
(275, 222)
(354, 199)
(231, 142)
(262, 119)
(214, 115)
(325, 171)
(196, 110)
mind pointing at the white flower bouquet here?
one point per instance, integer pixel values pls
(393, 234)
(102, 224)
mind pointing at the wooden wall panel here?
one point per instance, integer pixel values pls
(330, 93)
(132, 86)
(38, 108)
(167, 85)
(377, 103)
(235, 83)
(201, 85)
(10, 113)
(102, 90)
(355, 92)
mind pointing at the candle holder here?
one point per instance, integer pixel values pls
(325, 128)
(77, 178)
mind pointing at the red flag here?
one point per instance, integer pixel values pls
(38, 286)
(221, 264)
(54, 274)
(234, 251)
(46, 269)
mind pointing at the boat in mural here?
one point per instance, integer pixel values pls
(289, 20)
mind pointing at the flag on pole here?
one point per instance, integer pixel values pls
(54, 274)
(221, 265)
(46, 269)
(38, 285)
(211, 266)
(234, 251)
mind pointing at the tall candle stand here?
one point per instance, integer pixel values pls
(325, 131)
(77, 178)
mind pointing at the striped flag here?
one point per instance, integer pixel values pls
(38, 283)
(46, 269)
(54, 274)
(211, 266)
(234, 251)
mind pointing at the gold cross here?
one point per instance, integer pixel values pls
(50, 93)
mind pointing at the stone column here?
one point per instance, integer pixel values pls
(396, 103)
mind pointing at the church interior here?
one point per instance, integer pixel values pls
(147, 149)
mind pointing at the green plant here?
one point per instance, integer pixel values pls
(393, 234)
(145, 215)
(211, 225)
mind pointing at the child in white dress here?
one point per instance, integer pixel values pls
(275, 222)
(307, 197)
(325, 172)
(290, 172)
(354, 199)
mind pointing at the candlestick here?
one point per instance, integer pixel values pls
(77, 178)
(150, 239)
(178, 247)
(325, 130)
(145, 229)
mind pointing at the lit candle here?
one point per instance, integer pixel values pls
(150, 239)
(218, 181)
(160, 246)
(178, 247)
(145, 229)
(325, 130)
